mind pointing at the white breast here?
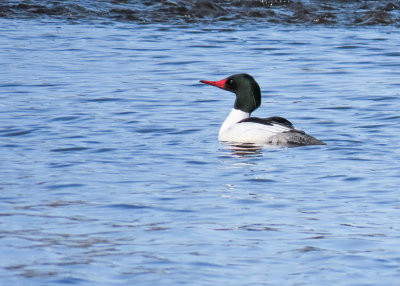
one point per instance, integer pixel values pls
(249, 132)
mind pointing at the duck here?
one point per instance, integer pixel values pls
(240, 127)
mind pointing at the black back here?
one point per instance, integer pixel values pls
(269, 121)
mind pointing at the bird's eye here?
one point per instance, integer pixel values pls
(230, 82)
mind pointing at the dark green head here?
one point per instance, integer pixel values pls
(247, 90)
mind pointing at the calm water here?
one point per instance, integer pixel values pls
(111, 172)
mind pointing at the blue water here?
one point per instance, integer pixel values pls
(112, 174)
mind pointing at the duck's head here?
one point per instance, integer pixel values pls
(247, 90)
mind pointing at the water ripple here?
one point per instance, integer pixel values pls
(111, 169)
(271, 11)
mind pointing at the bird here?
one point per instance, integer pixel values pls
(240, 127)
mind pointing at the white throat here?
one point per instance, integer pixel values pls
(234, 117)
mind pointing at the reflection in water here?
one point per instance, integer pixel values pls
(244, 149)
(253, 150)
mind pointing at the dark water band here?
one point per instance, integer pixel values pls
(334, 12)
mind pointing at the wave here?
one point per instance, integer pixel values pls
(334, 12)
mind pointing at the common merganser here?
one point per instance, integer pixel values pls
(239, 127)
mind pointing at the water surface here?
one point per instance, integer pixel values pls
(111, 172)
